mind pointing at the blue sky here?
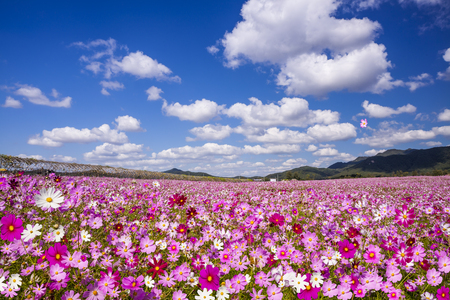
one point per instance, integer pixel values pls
(225, 87)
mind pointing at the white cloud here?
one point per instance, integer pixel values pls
(135, 63)
(212, 49)
(62, 158)
(110, 152)
(35, 96)
(291, 112)
(207, 150)
(143, 66)
(446, 74)
(326, 152)
(422, 117)
(432, 144)
(419, 81)
(128, 123)
(13, 103)
(58, 136)
(331, 159)
(378, 111)
(38, 157)
(153, 93)
(311, 148)
(388, 136)
(333, 132)
(296, 34)
(110, 85)
(275, 135)
(294, 162)
(271, 149)
(200, 111)
(210, 132)
(55, 94)
(445, 115)
(374, 152)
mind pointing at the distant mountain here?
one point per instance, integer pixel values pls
(382, 164)
(181, 172)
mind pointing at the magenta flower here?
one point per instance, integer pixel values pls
(277, 219)
(404, 216)
(347, 249)
(11, 228)
(309, 292)
(394, 294)
(443, 293)
(403, 255)
(209, 278)
(132, 283)
(55, 254)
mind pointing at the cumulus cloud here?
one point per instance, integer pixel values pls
(311, 148)
(333, 132)
(207, 150)
(378, 111)
(212, 49)
(389, 136)
(143, 66)
(110, 152)
(271, 149)
(210, 132)
(291, 112)
(432, 144)
(445, 115)
(110, 85)
(136, 63)
(38, 157)
(153, 93)
(13, 103)
(62, 158)
(326, 152)
(374, 152)
(35, 96)
(275, 135)
(128, 123)
(345, 157)
(419, 81)
(446, 74)
(199, 111)
(317, 52)
(58, 136)
(294, 162)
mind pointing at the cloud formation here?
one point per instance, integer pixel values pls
(35, 96)
(110, 85)
(317, 52)
(378, 111)
(200, 111)
(210, 132)
(128, 123)
(153, 93)
(13, 103)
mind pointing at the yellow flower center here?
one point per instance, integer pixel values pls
(11, 228)
(209, 278)
(58, 256)
(49, 199)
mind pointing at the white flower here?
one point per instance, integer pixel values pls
(427, 296)
(289, 277)
(163, 245)
(281, 283)
(3, 285)
(15, 281)
(156, 184)
(58, 233)
(204, 295)
(316, 280)
(218, 244)
(337, 255)
(192, 280)
(329, 260)
(273, 249)
(85, 236)
(299, 283)
(183, 246)
(49, 198)
(149, 282)
(222, 293)
(358, 219)
(248, 278)
(31, 232)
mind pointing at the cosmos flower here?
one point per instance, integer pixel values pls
(209, 278)
(364, 123)
(49, 199)
(11, 228)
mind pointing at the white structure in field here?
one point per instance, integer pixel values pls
(273, 179)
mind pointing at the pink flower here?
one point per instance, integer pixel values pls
(179, 295)
(393, 274)
(131, 283)
(343, 292)
(209, 278)
(443, 293)
(57, 272)
(11, 228)
(444, 264)
(55, 254)
(277, 219)
(372, 255)
(394, 294)
(347, 249)
(404, 216)
(360, 291)
(433, 277)
(363, 123)
(329, 289)
(274, 292)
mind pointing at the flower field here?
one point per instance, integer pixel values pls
(100, 238)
